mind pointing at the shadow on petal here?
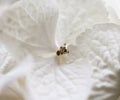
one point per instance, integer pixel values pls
(9, 94)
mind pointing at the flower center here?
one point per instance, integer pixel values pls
(61, 55)
(62, 50)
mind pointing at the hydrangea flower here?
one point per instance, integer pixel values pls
(69, 58)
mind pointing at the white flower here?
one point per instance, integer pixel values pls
(38, 28)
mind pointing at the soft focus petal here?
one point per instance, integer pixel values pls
(113, 9)
(12, 83)
(20, 70)
(7, 62)
(5, 4)
(101, 46)
(32, 22)
(10, 94)
(77, 15)
(50, 81)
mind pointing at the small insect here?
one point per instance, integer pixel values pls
(58, 53)
(62, 50)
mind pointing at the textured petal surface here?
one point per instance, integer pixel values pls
(101, 46)
(49, 81)
(77, 15)
(31, 25)
(32, 22)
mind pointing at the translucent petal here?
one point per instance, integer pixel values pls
(101, 46)
(32, 22)
(50, 81)
(77, 15)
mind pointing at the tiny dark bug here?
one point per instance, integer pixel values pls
(58, 53)
(62, 50)
(65, 50)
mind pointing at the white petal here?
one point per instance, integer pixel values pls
(7, 62)
(4, 5)
(114, 10)
(49, 81)
(101, 46)
(12, 83)
(20, 70)
(77, 15)
(32, 22)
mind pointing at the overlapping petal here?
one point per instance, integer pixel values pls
(13, 82)
(50, 81)
(77, 15)
(101, 46)
(29, 26)
(32, 22)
